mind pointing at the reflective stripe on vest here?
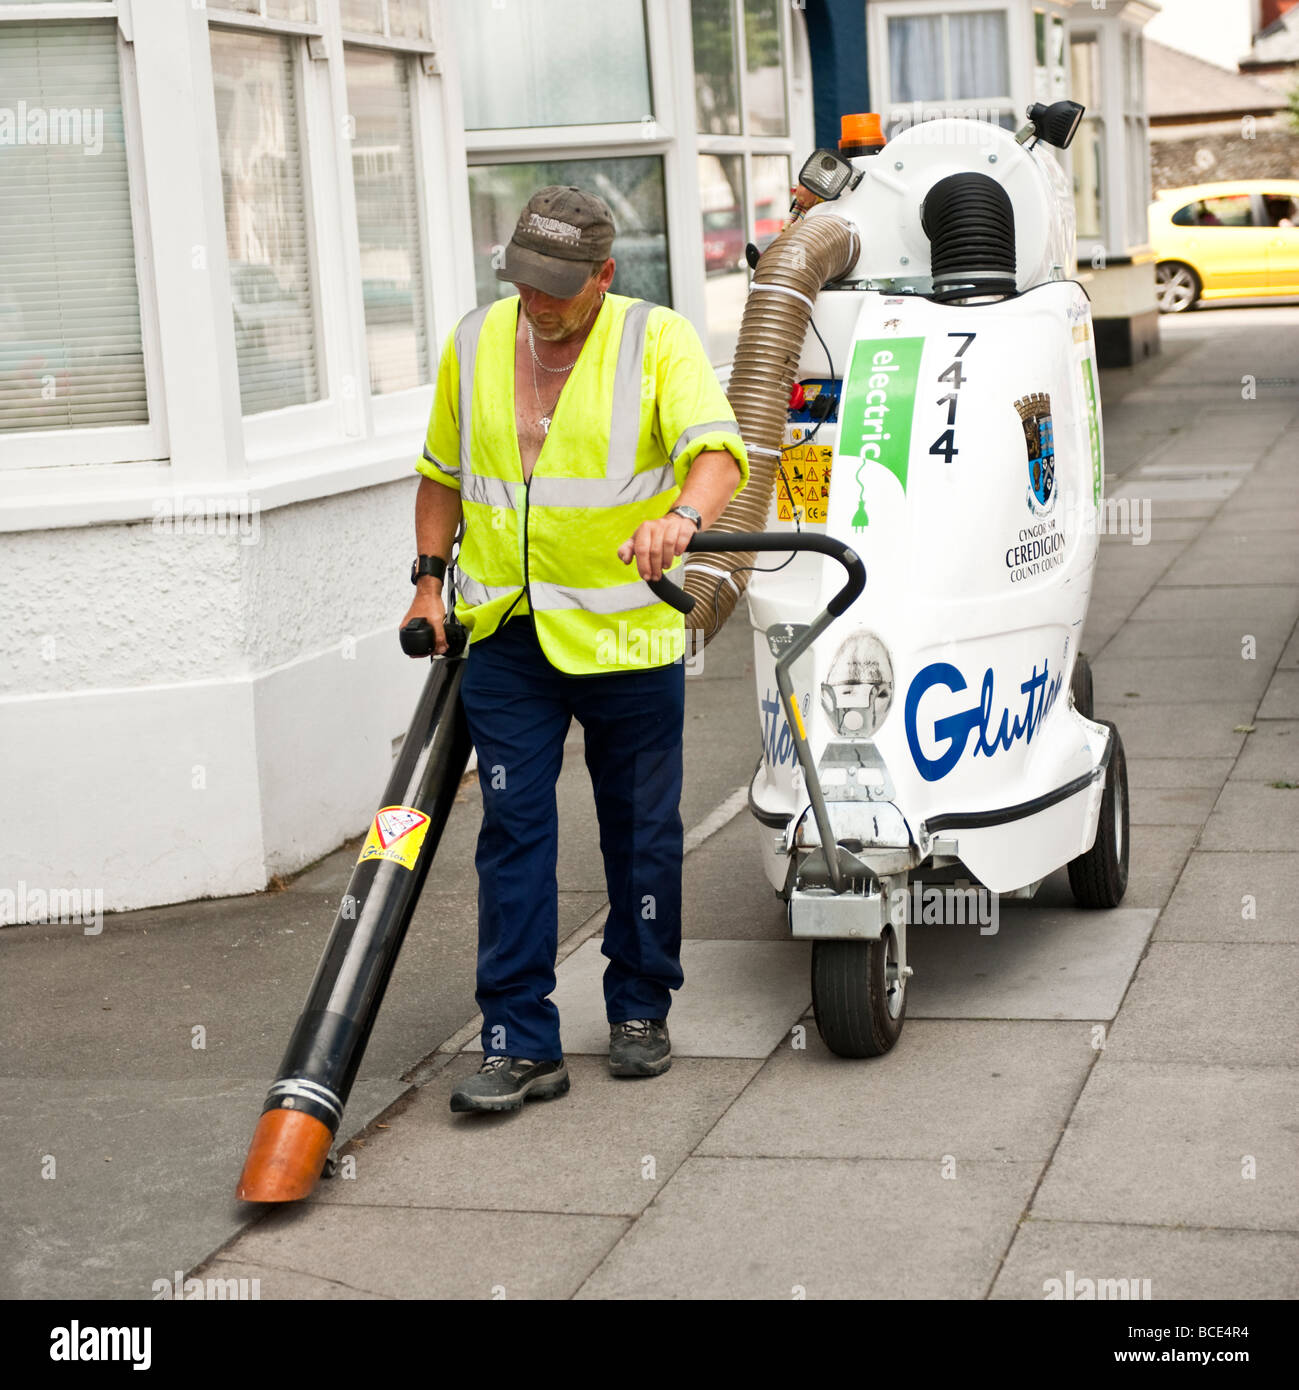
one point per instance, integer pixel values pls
(467, 333)
(573, 492)
(616, 598)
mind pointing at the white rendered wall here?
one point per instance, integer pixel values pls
(184, 716)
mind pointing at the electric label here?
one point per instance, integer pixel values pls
(879, 401)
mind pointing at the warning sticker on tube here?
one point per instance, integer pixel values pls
(397, 834)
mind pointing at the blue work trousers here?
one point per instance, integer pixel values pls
(519, 708)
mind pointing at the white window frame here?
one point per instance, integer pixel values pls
(656, 135)
(337, 412)
(1136, 126)
(113, 445)
(1123, 227)
(199, 444)
(745, 145)
(1098, 114)
(391, 412)
(1049, 89)
(1020, 57)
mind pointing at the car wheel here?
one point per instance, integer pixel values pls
(1177, 287)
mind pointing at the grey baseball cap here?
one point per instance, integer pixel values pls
(561, 233)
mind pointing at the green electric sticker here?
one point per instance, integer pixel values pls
(1093, 429)
(879, 400)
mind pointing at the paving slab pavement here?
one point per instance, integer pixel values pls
(1174, 1144)
(780, 1228)
(1179, 1264)
(983, 1091)
(1247, 896)
(1109, 1093)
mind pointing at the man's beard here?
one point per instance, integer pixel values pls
(570, 327)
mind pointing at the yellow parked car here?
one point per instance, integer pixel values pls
(1225, 241)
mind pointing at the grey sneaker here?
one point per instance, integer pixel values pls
(504, 1083)
(640, 1047)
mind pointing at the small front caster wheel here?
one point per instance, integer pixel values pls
(859, 995)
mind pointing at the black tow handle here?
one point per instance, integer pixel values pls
(721, 542)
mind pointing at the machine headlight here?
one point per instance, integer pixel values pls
(828, 174)
(858, 688)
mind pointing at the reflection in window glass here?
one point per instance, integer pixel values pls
(633, 188)
(408, 18)
(70, 347)
(717, 102)
(565, 62)
(1084, 60)
(1137, 163)
(771, 194)
(1059, 85)
(266, 220)
(383, 165)
(726, 282)
(764, 86)
(1087, 147)
(363, 16)
(274, 9)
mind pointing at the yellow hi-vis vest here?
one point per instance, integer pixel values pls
(641, 402)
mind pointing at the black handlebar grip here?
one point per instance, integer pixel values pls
(670, 592)
(718, 543)
(418, 637)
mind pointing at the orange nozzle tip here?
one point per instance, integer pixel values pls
(286, 1157)
(861, 128)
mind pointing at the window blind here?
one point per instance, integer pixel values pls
(383, 164)
(70, 345)
(266, 219)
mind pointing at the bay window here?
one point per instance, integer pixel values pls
(1088, 148)
(1136, 136)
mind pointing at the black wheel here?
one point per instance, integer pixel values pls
(1099, 878)
(1177, 287)
(858, 995)
(1084, 700)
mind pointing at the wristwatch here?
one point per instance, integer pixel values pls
(433, 565)
(689, 513)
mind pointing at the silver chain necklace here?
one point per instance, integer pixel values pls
(532, 348)
(545, 420)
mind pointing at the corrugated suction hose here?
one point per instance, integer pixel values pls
(790, 273)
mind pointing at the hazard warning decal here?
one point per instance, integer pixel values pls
(397, 834)
(805, 483)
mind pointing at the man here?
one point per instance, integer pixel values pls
(583, 438)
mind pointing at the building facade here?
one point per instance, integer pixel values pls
(235, 238)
